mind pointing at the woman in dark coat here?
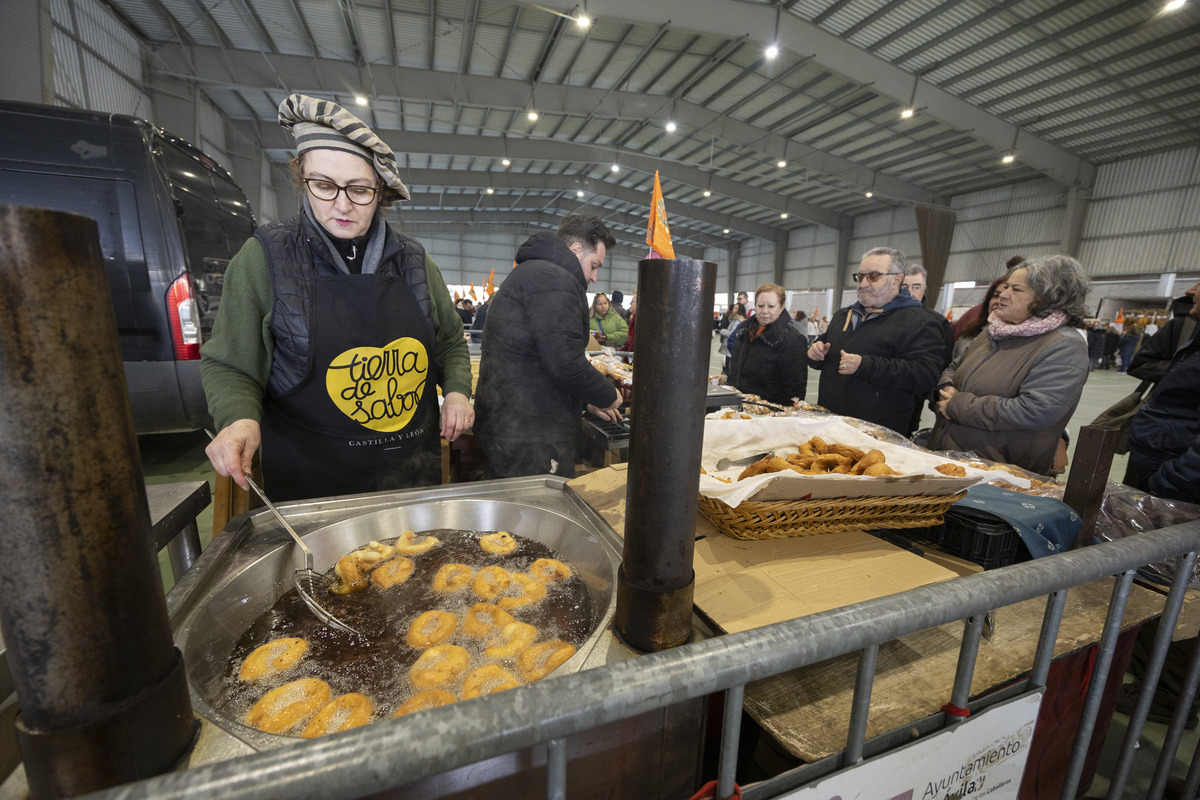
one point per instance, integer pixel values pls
(767, 354)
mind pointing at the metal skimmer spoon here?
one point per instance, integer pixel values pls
(304, 579)
(725, 463)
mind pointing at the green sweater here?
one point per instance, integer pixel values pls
(615, 328)
(236, 362)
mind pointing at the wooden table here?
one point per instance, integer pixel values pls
(747, 584)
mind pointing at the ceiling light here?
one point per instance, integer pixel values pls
(772, 52)
(670, 126)
(906, 113)
(490, 190)
(583, 20)
(532, 115)
(870, 194)
(360, 99)
(1008, 159)
(781, 163)
(615, 167)
(725, 231)
(783, 215)
(707, 193)
(579, 193)
(506, 162)
(1174, 5)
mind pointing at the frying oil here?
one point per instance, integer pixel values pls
(376, 664)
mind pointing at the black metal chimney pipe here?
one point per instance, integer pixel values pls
(670, 374)
(101, 686)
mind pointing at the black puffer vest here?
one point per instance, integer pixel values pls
(295, 254)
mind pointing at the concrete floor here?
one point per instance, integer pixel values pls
(180, 457)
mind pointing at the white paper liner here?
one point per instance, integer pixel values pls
(740, 438)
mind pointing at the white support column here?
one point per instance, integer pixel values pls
(1166, 284)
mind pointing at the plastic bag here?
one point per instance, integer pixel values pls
(1127, 512)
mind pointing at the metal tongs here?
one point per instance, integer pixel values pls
(304, 579)
(726, 463)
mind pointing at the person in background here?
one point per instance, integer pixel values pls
(1127, 345)
(1111, 337)
(1151, 360)
(1010, 397)
(737, 316)
(767, 353)
(534, 379)
(881, 355)
(991, 299)
(914, 283)
(628, 346)
(466, 310)
(306, 299)
(607, 326)
(477, 323)
(617, 298)
(974, 312)
(1095, 345)
(800, 323)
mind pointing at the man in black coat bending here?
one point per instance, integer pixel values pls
(881, 354)
(534, 380)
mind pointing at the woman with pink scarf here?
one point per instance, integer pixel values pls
(1010, 396)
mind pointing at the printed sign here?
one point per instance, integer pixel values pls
(982, 757)
(379, 387)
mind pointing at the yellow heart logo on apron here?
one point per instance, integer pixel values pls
(379, 387)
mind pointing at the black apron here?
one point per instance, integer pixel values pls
(365, 417)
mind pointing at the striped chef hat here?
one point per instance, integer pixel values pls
(323, 124)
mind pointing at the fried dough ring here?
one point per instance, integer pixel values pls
(819, 446)
(392, 573)
(802, 461)
(532, 591)
(351, 710)
(806, 449)
(439, 666)
(483, 618)
(491, 581)
(350, 576)
(290, 705)
(498, 544)
(953, 470)
(872, 458)
(407, 544)
(432, 627)
(373, 554)
(452, 577)
(764, 465)
(875, 470)
(549, 570)
(272, 658)
(423, 701)
(852, 453)
(488, 679)
(541, 659)
(514, 637)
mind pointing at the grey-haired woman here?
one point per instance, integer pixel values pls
(334, 331)
(1011, 394)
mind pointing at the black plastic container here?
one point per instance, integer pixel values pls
(981, 538)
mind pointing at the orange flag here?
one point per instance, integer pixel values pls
(1120, 316)
(472, 292)
(658, 235)
(457, 297)
(491, 286)
(950, 315)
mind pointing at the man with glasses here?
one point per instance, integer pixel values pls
(883, 354)
(334, 331)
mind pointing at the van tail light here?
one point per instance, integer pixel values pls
(185, 319)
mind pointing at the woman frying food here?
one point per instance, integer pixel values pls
(334, 331)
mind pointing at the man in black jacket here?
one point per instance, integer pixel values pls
(534, 379)
(882, 353)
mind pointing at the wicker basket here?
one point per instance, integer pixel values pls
(780, 519)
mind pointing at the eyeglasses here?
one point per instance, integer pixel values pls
(328, 190)
(873, 277)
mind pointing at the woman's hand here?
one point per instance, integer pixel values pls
(946, 392)
(458, 415)
(232, 450)
(612, 413)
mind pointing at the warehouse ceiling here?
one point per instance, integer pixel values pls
(746, 144)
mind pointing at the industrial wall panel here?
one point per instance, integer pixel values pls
(111, 90)
(1148, 173)
(1146, 253)
(1156, 211)
(68, 71)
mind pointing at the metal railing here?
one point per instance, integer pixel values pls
(392, 753)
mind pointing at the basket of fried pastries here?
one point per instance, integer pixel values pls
(821, 476)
